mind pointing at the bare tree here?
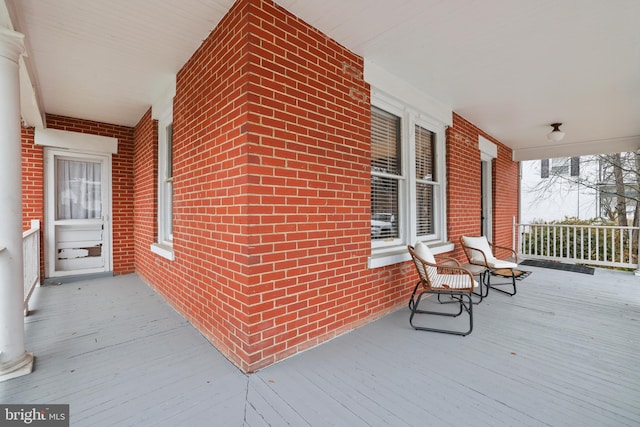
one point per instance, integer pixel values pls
(621, 200)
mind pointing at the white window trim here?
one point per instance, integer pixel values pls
(163, 251)
(392, 252)
(165, 199)
(164, 246)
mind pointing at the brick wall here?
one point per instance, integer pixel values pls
(463, 183)
(464, 186)
(309, 199)
(32, 180)
(205, 281)
(271, 169)
(122, 181)
(272, 190)
(145, 165)
(506, 196)
(33, 186)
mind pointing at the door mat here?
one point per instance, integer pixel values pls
(506, 272)
(559, 266)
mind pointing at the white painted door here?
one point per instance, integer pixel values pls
(78, 208)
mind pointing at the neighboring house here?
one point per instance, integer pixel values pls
(248, 195)
(577, 187)
(546, 197)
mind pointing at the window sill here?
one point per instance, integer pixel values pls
(399, 255)
(164, 251)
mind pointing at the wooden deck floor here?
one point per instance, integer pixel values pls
(563, 352)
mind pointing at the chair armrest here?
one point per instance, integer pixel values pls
(450, 266)
(513, 253)
(449, 261)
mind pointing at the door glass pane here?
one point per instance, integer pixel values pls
(78, 189)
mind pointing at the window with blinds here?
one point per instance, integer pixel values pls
(425, 181)
(408, 180)
(560, 166)
(386, 173)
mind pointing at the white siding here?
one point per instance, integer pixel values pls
(563, 198)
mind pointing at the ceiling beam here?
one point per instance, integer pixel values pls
(604, 146)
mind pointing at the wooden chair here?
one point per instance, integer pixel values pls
(446, 278)
(479, 251)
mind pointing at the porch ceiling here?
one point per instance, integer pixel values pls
(511, 68)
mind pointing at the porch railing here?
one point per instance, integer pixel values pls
(31, 261)
(598, 245)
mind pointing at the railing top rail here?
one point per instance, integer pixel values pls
(29, 232)
(35, 227)
(628, 227)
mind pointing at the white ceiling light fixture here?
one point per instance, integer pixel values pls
(556, 134)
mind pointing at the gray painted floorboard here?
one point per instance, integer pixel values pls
(562, 352)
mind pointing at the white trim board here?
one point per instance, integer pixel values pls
(83, 142)
(488, 150)
(383, 81)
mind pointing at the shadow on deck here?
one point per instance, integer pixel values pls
(563, 351)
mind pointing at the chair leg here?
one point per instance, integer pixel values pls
(464, 306)
(512, 282)
(481, 294)
(452, 300)
(413, 294)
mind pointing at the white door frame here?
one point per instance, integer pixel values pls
(487, 199)
(488, 152)
(50, 206)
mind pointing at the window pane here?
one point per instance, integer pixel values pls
(425, 208)
(425, 154)
(544, 168)
(384, 208)
(170, 151)
(425, 175)
(78, 189)
(385, 159)
(385, 142)
(169, 211)
(168, 187)
(560, 166)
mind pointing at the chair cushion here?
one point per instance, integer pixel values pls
(424, 252)
(478, 244)
(453, 281)
(497, 263)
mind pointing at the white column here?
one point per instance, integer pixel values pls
(14, 360)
